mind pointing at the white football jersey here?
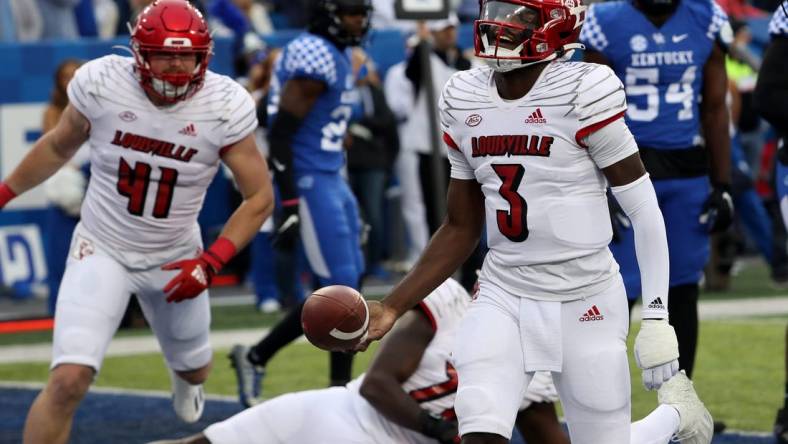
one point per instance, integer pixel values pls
(434, 383)
(544, 191)
(151, 166)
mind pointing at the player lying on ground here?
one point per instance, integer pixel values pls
(534, 141)
(157, 127)
(406, 396)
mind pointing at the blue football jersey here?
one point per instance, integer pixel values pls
(778, 26)
(317, 146)
(661, 68)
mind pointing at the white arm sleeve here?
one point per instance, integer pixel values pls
(639, 200)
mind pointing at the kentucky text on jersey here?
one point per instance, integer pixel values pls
(663, 58)
(153, 146)
(512, 145)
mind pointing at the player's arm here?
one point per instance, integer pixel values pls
(396, 360)
(771, 92)
(656, 347)
(715, 122)
(251, 174)
(297, 99)
(449, 247)
(50, 152)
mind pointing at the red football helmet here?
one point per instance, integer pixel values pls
(171, 27)
(511, 34)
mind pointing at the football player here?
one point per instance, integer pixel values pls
(406, 396)
(771, 95)
(310, 103)
(534, 141)
(157, 125)
(669, 53)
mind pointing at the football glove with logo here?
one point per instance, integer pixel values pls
(656, 352)
(718, 209)
(6, 194)
(287, 229)
(196, 274)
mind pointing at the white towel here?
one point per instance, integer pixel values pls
(540, 331)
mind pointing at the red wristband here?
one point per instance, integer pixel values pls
(6, 194)
(219, 253)
(290, 202)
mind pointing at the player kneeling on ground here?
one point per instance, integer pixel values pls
(157, 126)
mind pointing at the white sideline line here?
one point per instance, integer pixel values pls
(129, 345)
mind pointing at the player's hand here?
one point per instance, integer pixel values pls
(435, 426)
(6, 194)
(286, 232)
(195, 277)
(381, 319)
(656, 352)
(718, 210)
(618, 218)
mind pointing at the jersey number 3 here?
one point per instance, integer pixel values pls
(512, 223)
(133, 183)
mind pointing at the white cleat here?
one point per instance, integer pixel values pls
(695, 423)
(187, 400)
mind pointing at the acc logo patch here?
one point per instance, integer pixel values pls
(127, 116)
(82, 248)
(473, 120)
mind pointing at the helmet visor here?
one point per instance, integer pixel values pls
(508, 24)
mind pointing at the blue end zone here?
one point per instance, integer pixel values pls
(127, 418)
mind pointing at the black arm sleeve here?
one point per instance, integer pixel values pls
(280, 141)
(771, 92)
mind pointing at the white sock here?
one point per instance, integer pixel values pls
(656, 428)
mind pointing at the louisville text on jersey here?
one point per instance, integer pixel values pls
(512, 145)
(153, 146)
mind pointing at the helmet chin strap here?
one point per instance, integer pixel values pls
(167, 89)
(510, 64)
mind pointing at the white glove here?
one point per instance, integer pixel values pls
(656, 352)
(66, 189)
(541, 389)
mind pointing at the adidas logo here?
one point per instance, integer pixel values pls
(657, 304)
(536, 117)
(189, 130)
(593, 314)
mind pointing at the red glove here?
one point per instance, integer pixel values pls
(6, 194)
(196, 274)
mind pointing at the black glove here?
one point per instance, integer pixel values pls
(435, 426)
(618, 219)
(285, 235)
(718, 210)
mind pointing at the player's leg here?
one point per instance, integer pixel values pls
(182, 330)
(681, 202)
(594, 382)
(537, 420)
(330, 231)
(488, 355)
(317, 417)
(93, 296)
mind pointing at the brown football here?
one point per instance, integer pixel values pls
(335, 318)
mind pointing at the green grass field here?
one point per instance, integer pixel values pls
(739, 373)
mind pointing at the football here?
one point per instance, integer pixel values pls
(335, 318)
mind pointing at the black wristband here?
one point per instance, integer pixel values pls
(434, 426)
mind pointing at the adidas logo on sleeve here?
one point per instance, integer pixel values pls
(657, 304)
